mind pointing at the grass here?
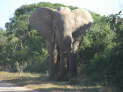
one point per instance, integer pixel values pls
(41, 83)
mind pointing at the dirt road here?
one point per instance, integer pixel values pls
(8, 87)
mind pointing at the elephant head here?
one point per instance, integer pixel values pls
(69, 26)
(63, 29)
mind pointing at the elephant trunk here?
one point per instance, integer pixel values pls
(67, 44)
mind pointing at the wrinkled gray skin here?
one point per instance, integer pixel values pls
(63, 29)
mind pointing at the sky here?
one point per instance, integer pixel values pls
(103, 7)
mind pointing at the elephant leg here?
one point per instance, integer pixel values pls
(53, 53)
(72, 66)
(62, 67)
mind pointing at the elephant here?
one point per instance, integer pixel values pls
(63, 30)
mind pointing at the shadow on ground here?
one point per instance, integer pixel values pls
(22, 81)
(69, 90)
(42, 84)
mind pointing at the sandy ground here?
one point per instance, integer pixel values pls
(8, 87)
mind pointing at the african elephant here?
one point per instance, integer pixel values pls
(63, 30)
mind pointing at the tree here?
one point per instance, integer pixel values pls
(116, 69)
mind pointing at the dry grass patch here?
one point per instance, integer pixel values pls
(40, 82)
(11, 76)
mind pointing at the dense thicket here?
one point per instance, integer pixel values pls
(101, 51)
(100, 55)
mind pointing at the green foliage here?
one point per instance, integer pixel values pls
(101, 51)
(97, 41)
(116, 69)
(3, 43)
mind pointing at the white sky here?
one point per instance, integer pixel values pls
(103, 7)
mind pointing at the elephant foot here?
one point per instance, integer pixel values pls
(62, 78)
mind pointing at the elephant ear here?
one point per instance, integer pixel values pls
(41, 20)
(83, 21)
